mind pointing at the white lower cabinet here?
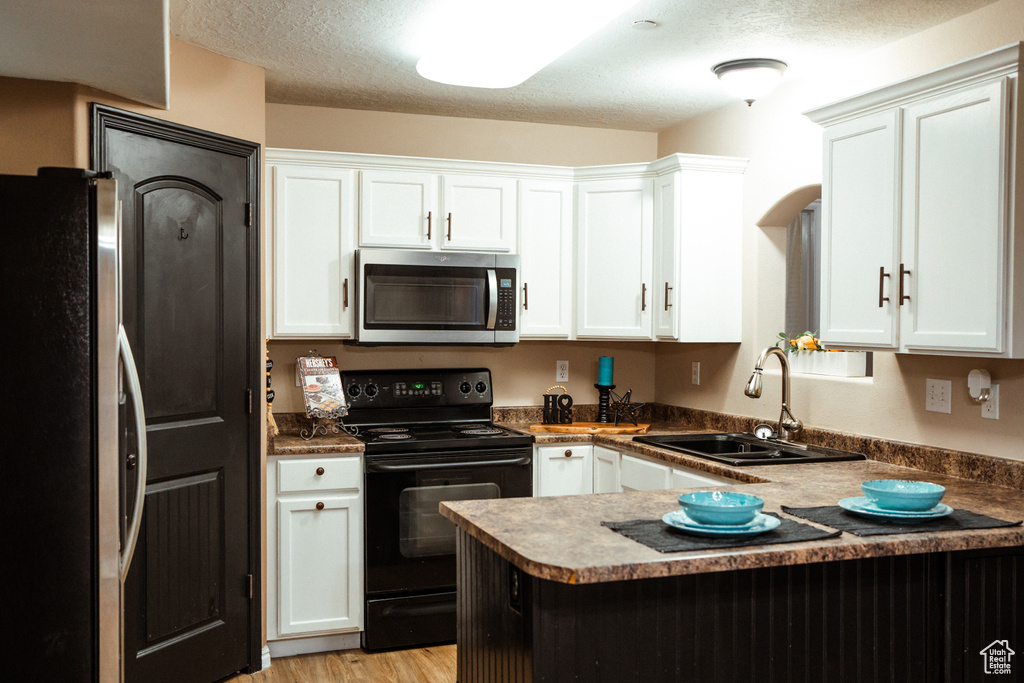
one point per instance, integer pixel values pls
(639, 474)
(314, 547)
(572, 468)
(606, 470)
(564, 469)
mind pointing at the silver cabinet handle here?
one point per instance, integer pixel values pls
(135, 389)
(667, 290)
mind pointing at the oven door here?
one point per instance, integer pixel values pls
(428, 298)
(410, 547)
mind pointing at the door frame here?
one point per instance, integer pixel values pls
(105, 118)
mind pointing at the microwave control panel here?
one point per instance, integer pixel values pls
(506, 319)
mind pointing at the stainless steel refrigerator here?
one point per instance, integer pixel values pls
(72, 428)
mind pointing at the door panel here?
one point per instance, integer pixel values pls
(189, 310)
(860, 233)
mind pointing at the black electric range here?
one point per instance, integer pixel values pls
(428, 439)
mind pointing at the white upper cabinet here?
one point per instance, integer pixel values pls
(955, 221)
(420, 210)
(859, 242)
(398, 209)
(615, 293)
(918, 238)
(699, 284)
(313, 218)
(545, 249)
(479, 213)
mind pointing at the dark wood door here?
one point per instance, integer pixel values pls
(188, 308)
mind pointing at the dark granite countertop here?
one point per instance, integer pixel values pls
(561, 538)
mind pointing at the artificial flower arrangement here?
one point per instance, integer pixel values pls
(797, 343)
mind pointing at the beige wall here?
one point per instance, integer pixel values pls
(36, 125)
(521, 373)
(785, 152)
(373, 132)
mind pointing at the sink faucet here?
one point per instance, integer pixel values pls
(789, 426)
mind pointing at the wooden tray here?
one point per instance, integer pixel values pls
(591, 428)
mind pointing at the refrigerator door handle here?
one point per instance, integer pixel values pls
(135, 389)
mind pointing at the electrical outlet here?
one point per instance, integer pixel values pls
(298, 378)
(695, 372)
(937, 393)
(990, 408)
(561, 371)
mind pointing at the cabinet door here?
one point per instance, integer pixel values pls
(643, 475)
(314, 213)
(398, 209)
(859, 241)
(666, 261)
(545, 250)
(565, 470)
(319, 564)
(709, 251)
(606, 470)
(686, 478)
(954, 220)
(479, 213)
(615, 286)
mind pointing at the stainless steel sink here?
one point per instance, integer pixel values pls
(746, 449)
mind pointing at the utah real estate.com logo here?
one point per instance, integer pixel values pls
(997, 656)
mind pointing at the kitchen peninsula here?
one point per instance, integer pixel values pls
(546, 593)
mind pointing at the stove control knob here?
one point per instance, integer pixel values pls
(370, 390)
(481, 387)
(354, 390)
(465, 387)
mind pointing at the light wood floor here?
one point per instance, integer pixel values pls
(424, 665)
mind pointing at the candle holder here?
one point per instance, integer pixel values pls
(604, 397)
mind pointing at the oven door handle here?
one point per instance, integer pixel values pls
(377, 467)
(492, 296)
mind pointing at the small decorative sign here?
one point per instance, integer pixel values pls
(557, 407)
(321, 387)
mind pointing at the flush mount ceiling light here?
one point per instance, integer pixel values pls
(501, 44)
(750, 79)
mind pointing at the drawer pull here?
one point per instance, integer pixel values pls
(881, 280)
(319, 470)
(319, 506)
(568, 453)
(903, 297)
(428, 224)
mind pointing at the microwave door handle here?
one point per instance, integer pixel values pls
(492, 303)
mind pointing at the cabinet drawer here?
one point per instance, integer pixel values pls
(319, 474)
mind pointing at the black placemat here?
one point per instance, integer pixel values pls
(838, 518)
(655, 534)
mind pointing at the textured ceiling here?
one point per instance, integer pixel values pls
(362, 55)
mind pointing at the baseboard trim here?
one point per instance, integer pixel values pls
(266, 657)
(305, 646)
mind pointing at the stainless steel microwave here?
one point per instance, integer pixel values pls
(419, 297)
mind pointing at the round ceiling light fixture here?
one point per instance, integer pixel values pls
(750, 79)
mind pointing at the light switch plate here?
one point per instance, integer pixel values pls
(937, 394)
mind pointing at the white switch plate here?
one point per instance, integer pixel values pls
(990, 408)
(695, 372)
(937, 392)
(561, 371)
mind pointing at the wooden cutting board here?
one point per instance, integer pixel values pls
(591, 428)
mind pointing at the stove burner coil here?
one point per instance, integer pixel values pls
(388, 430)
(482, 431)
(394, 437)
(469, 425)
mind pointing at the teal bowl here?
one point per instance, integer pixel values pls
(720, 507)
(902, 494)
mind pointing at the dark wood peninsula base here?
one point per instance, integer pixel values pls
(922, 617)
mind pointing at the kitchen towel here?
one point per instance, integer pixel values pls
(655, 534)
(838, 518)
